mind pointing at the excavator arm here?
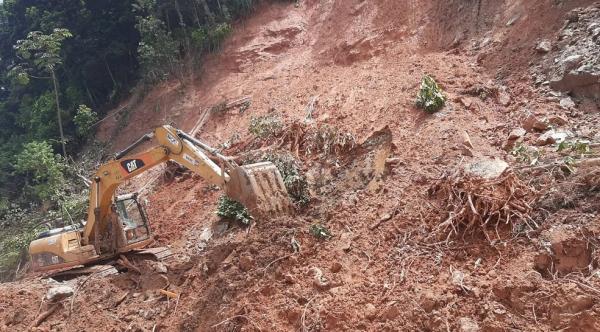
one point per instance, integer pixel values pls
(258, 186)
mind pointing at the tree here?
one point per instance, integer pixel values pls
(84, 120)
(44, 170)
(44, 51)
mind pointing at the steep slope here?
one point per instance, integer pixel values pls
(361, 63)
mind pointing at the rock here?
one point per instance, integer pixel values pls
(160, 267)
(504, 97)
(465, 139)
(390, 313)
(246, 262)
(487, 168)
(558, 120)
(467, 325)
(428, 301)
(567, 103)
(204, 238)
(58, 293)
(516, 133)
(544, 46)
(335, 267)
(572, 62)
(583, 81)
(532, 123)
(289, 279)
(552, 136)
(370, 311)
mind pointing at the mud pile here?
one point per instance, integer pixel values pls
(356, 66)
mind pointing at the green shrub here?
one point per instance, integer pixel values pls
(431, 97)
(265, 127)
(84, 119)
(295, 182)
(229, 209)
(43, 169)
(320, 231)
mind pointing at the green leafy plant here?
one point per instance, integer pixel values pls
(320, 231)
(295, 182)
(84, 119)
(230, 209)
(431, 98)
(526, 154)
(578, 147)
(44, 170)
(265, 127)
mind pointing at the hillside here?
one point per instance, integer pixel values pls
(417, 243)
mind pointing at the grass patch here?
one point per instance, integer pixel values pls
(228, 208)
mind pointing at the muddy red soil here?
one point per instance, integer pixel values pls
(385, 268)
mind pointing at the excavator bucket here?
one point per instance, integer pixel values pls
(259, 187)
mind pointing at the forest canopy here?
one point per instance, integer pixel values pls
(64, 63)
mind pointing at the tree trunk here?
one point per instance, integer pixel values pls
(60, 127)
(111, 75)
(209, 14)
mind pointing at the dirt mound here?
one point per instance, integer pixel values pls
(355, 67)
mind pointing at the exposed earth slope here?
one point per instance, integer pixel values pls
(356, 66)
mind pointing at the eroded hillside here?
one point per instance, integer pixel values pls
(354, 67)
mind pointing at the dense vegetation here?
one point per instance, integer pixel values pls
(62, 65)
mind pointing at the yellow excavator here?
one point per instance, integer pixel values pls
(118, 224)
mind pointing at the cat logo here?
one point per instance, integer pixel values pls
(172, 140)
(131, 165)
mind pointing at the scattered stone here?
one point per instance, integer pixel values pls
(567, 103)
(572, 61)
(246, 262)
(428, 301)
(516, 134)
(504, 98)
(468, 325)
(532, 123)
(544, 46)
(160, 267)
(391, 312)
(487, 168)
(512, 20)
(552, 136)
(336, 267)
(467, 102)
(465, 139)
(289, 279)
(204, 238)
(58, 293)
(370, 311)
(558, 120)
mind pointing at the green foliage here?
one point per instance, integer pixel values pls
(84, 119)
(578, 147)
(210, 38)
(43, 169)
(526, 154)
(431, 97)
(229, 209)
(295, 182)
(319, 231)
(328, 140)
(43, 50)
(38, 116)
(157, 49)
(265, 127)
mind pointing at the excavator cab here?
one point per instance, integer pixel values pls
(132, 218)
